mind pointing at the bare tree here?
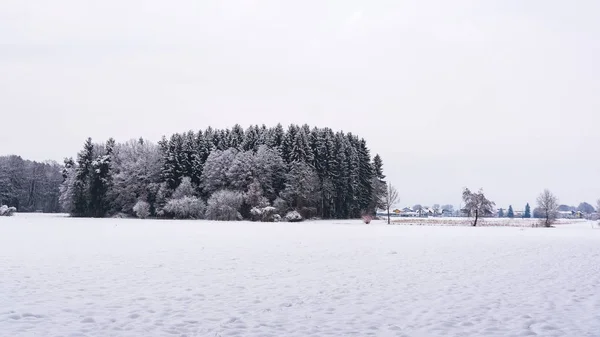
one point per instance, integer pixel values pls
(436, 209)
(477, 204)
(389, 199)
(548, 205)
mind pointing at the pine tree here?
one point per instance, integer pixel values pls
(378, 168)
(365, 178)
(81, 195)
(287, 144)
(527, 213)
(276, 137)
(300, 150)
(236, 137)
(251, 139)
(501, 213)
(510, 213)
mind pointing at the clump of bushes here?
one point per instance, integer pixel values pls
(7, 211)
(293, 216)
(185, 208)
(224, 205)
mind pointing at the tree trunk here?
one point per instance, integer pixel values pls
(388, 211)
(476, 217)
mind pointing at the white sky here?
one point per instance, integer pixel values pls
(501, 94)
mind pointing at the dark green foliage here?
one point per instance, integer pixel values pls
(527, 213)
(510, 213)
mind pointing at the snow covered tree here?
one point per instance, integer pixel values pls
(185, 189)
(215, 171)
(585, 208)
(436, 209)
(254, 195)
(81, 185)
(511, 213)
(548, 205)
(269, 170)
(501, 213)
(390, 198)
(141, 209)
(527, 213)
(240, 172)
(302, 186)
(185, 208)
(224, 205)
(251, 139)
(236, 137)
(136, 174)
(477, 204)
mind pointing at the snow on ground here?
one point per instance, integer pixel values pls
(116, 277)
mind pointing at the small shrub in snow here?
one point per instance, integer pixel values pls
(256, 213)
(264, 214)
(224, 205)
(7, 211)
(276, 217)
(185, 208)
(293, 216)
(367, 218)
(142, 209)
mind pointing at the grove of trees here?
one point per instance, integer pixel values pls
(29, 186)
(226, 174)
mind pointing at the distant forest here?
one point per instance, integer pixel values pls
(226, 174)
(28, 185)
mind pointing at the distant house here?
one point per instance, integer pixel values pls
(565, 214)
(447, 213)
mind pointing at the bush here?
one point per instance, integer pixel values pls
(367, 218)
(141, 209)
(185, 208)
(224, 205)
(7, 211)
(293, 216)
(264, 214)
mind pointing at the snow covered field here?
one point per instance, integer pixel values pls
(113, 277)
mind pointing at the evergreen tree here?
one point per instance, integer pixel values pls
(378, 168)
(511, 213)
(236, 137)
(501, 213)
(251, 139)
(276, 137)
(527, 213)
(81, 193)
(287, 144)
(365, 178)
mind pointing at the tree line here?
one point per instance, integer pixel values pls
(29, 186)
(226, 174)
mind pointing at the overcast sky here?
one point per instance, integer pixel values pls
(503, 95)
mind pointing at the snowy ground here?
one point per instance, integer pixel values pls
(86, 277)
(463, 221)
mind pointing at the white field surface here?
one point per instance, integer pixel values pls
(115, 277)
